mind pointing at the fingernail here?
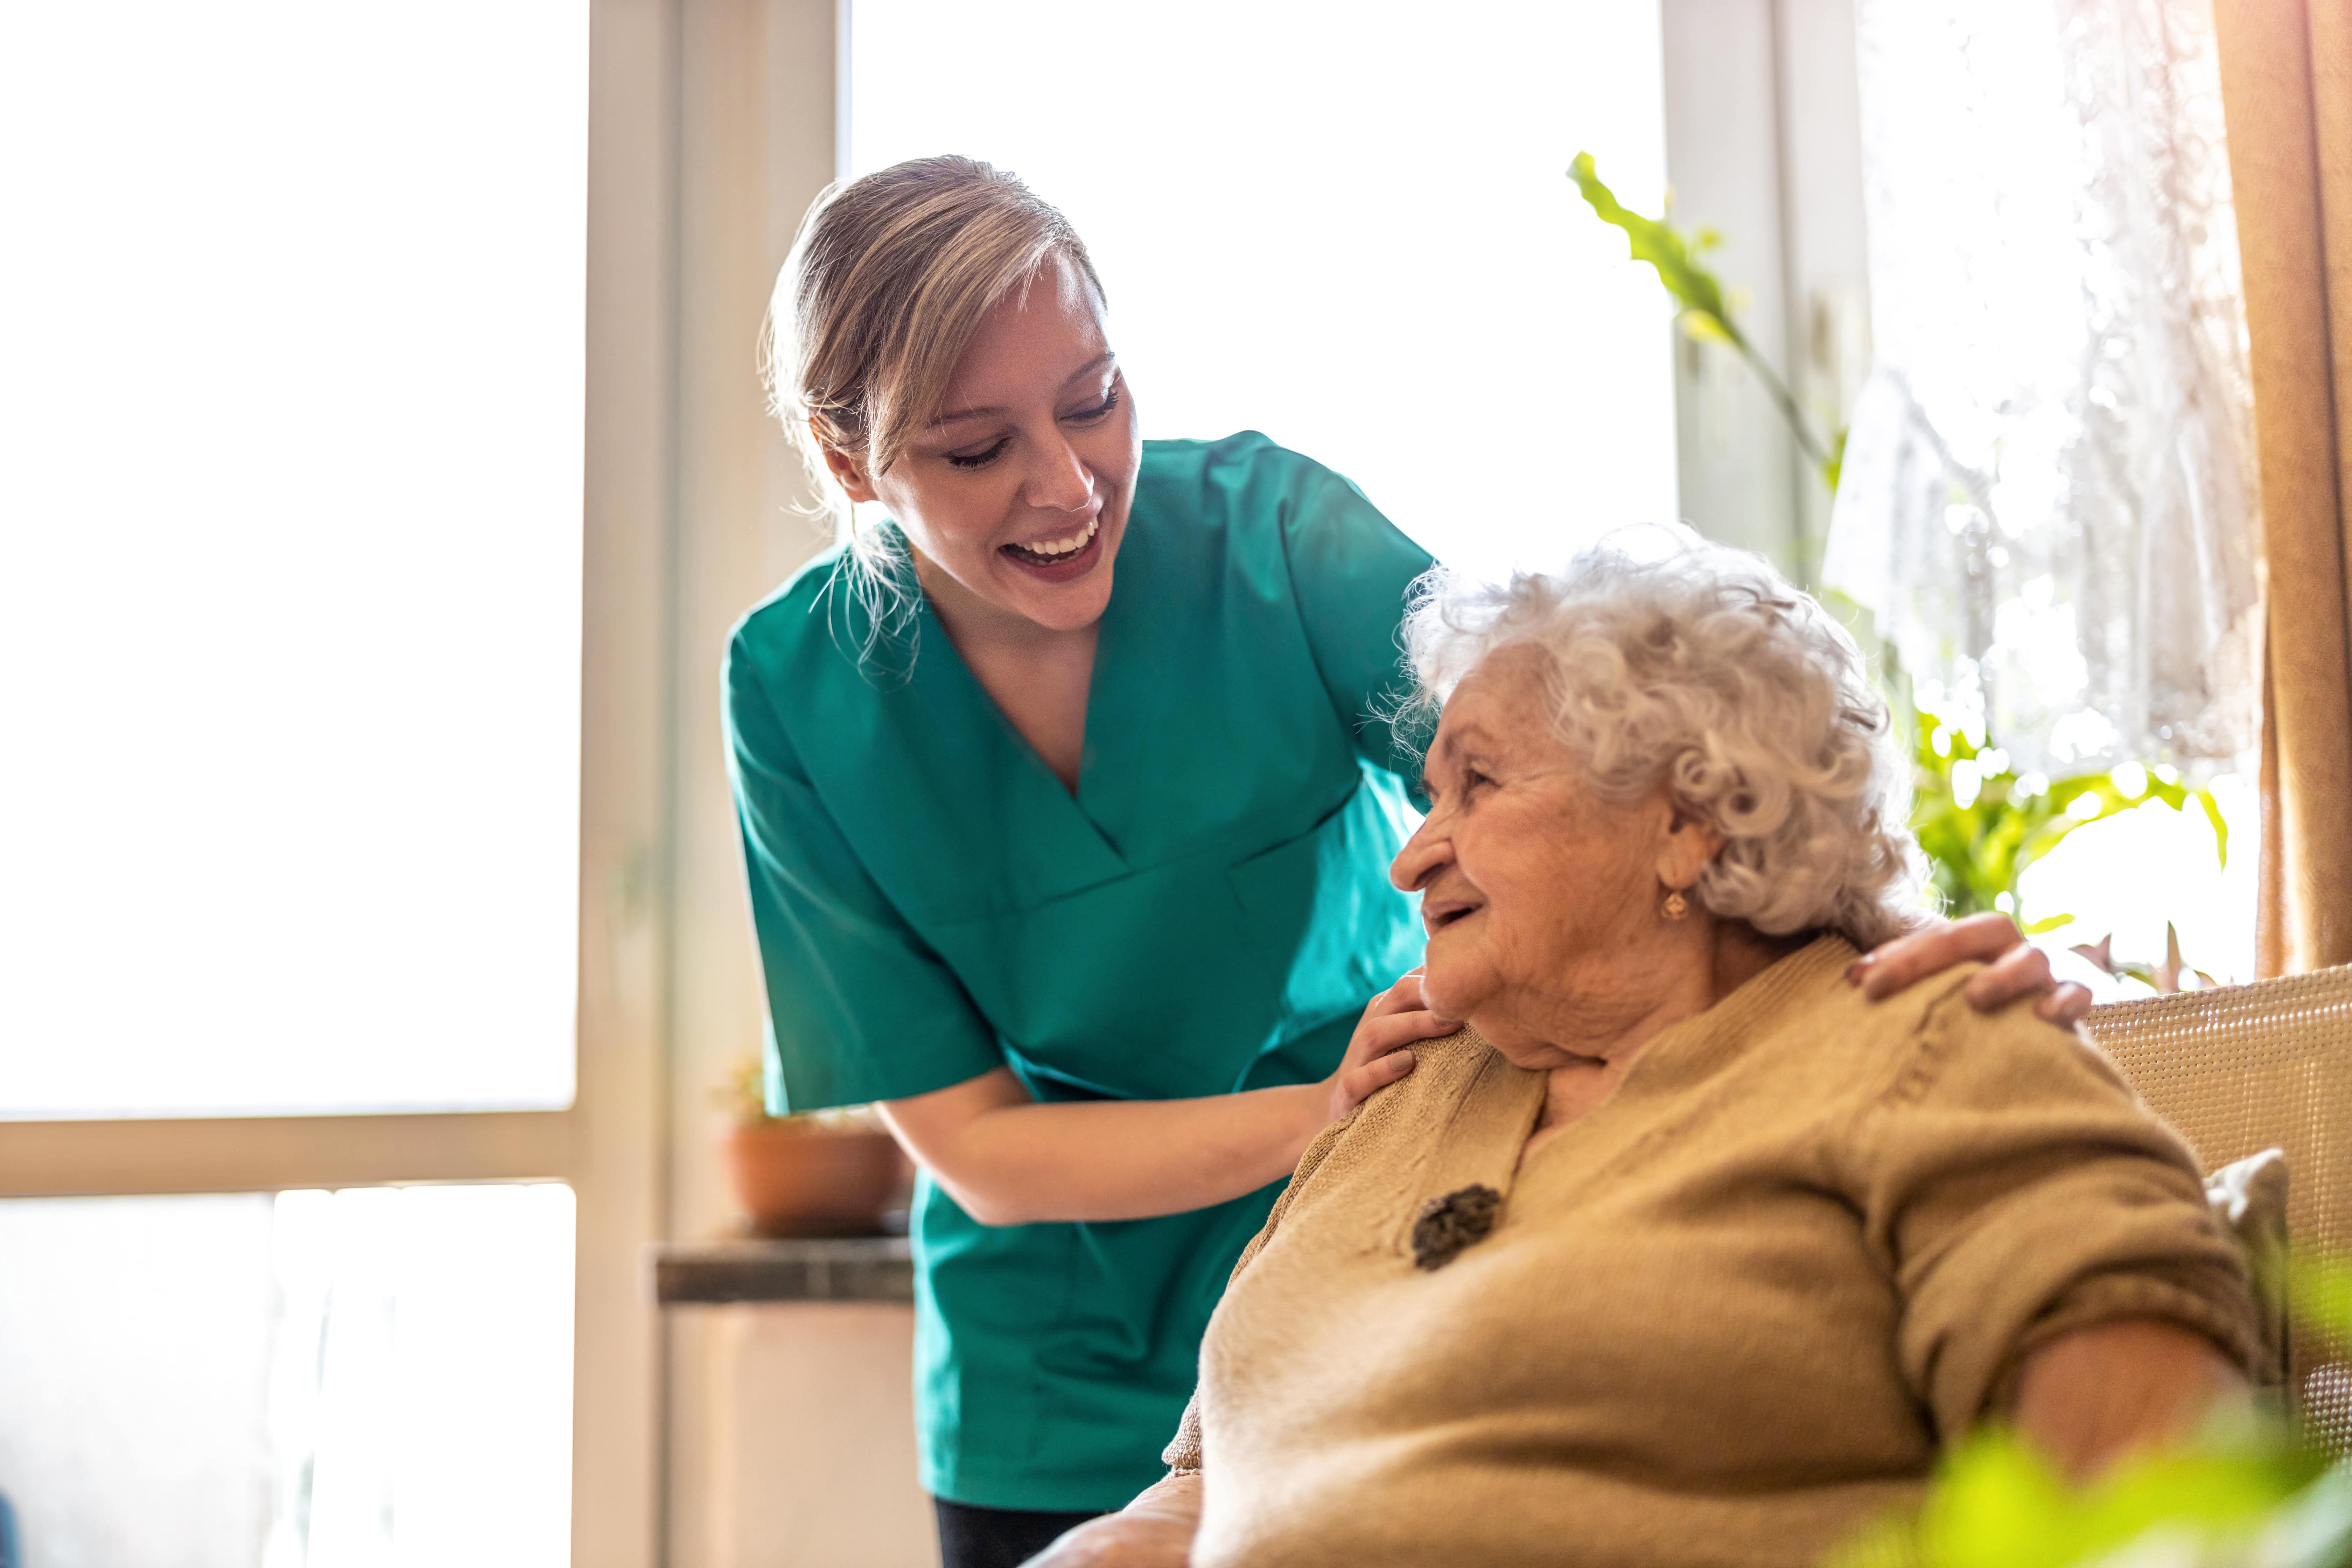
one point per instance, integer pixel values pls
(1854, 971)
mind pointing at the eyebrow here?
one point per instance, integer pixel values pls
(1454, 741)
(959, 415)
(1449, 746)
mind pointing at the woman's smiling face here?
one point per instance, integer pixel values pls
(1531, 884)
(1018, 490)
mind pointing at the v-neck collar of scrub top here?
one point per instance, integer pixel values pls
(1073, 830)
(950, 692)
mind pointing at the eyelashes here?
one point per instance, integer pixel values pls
(980, 459)
(995, 449)
(1101, 410)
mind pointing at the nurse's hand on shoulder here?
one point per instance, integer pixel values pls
(1376, 1056)
(2014, 969)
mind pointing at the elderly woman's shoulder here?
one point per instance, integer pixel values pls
(1445, 1072)
(1928, 1037)
(1445, 1067)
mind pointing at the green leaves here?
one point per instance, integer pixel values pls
(2249, 1492)
(1697, 290)
(1706, 308)
(2320, 1287)
(1981, 824)
(2238, 1497)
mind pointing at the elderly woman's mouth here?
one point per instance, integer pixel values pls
(1437, 914)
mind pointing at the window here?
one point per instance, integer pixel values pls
(329, 1380)
(1350, 228)
(290, 555)
(323, 954)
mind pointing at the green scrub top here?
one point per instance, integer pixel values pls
(1209, 912)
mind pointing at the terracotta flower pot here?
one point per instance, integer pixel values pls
(796, 1178)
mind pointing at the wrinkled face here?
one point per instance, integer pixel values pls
(1019, 489)
(1531, 885)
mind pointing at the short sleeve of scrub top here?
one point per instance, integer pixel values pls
(1346, 561)
(1209, 911)
(866, 1012)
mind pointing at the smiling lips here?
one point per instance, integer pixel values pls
(1436, 917)
(1048, 552)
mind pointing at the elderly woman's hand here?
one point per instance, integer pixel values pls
(2013, 967)
(1155, 1530)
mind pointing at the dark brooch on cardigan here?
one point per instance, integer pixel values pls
(1449, 1224)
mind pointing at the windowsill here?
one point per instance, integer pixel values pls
(849, 1268)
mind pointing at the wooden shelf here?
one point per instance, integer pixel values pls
(852, 1269)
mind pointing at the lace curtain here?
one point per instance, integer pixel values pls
(2048, 496)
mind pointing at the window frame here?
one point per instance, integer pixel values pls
(607, 1145)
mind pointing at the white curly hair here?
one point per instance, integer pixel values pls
(1669, 659)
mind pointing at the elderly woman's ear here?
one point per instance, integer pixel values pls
(1688, 846)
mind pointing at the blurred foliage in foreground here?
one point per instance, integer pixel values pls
(2255, 1497)
(2252, 1492)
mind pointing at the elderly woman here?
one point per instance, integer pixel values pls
(1682, 1253)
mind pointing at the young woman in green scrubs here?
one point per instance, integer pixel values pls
(1072, 852)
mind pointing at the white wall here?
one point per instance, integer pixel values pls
(790, 1428)
(807, 1447)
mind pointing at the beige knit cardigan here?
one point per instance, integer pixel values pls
(1727, 1317)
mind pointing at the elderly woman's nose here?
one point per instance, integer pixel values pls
(1417, 861)
(1060, 480)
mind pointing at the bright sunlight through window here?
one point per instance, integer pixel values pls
(1349, 227)
(369, 1379)
(290, 405)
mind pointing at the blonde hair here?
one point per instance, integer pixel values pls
(888, 281)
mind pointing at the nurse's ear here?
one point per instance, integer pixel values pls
(848, 471)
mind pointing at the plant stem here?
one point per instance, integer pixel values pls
(1798, 425)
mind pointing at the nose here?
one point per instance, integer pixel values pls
(1427, 852)
(1061, 480)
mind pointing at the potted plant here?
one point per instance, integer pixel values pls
(820, 1172)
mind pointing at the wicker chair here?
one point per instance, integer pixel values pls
(2240, 1068)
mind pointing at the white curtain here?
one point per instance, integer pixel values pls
(2048, 496)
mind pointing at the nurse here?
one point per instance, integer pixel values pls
(1067, 797)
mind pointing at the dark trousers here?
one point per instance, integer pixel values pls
(972, 1537)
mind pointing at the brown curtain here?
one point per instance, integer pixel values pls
(2287, 89)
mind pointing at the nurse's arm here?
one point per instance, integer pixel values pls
(1007, 1159)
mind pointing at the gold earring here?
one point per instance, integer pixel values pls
(1677, 906)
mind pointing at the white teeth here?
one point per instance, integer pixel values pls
(1075, 542)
